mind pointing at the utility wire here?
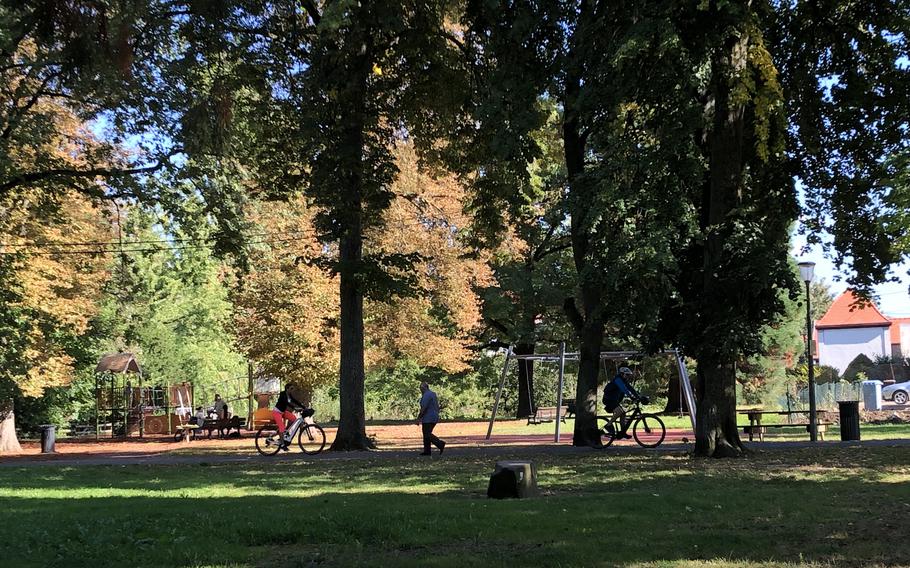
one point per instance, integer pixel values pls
(151, 241)
(147, 249)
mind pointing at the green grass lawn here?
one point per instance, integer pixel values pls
(834, 506)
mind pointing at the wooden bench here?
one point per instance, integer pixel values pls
(85, 430)
(222, 425)
(545, 414)
(822, 427)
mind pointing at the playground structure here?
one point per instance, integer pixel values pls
(562, 357)
(125, 407)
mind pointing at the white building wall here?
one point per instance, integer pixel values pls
(905, 339)
(838, 347)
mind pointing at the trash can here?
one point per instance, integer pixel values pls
(872, 395)
(48, 437)
(849, 419)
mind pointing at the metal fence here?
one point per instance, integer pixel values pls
(827, 395)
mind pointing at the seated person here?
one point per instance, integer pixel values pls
(199, 417)
(220, 408)
(614, 393)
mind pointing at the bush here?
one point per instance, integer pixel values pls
(861, 364)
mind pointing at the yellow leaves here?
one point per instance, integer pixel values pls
(427, 217)
(287, 312)
(285, 308)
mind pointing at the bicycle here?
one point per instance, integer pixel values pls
(310, 436)
(645, 427)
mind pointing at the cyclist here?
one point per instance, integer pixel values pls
(614, 393)
(284, 410)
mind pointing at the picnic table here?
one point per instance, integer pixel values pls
(756, 427)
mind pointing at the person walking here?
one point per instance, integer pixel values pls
(428, 418)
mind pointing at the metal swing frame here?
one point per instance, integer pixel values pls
(562, 357)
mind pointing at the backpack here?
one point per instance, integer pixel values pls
(612, 396)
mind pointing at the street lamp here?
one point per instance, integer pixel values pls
(807, 272)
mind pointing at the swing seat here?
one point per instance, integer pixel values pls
(546, 414)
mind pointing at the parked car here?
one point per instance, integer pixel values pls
(898, 392)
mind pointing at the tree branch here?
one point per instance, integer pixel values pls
(499, 326)
(32, 177)
(19, 111)
(555, 248)
(573, 315)
(312, 10)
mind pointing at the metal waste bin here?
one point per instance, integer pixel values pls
(872, 395)
(849, 419)
(48, 438)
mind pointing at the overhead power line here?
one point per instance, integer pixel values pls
(149, 241)
(141, 249)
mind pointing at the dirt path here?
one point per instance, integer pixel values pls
(392, 439)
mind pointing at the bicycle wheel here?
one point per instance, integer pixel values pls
(268, 442)
(649, 431)
(606, 437)
(311, 439)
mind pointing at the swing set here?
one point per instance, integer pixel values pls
(685, 385)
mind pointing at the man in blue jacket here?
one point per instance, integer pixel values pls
(428, 417)
(614, 393)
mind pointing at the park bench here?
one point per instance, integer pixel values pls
(222, 425)
(545, 414)
(762, 429)
(85, 430)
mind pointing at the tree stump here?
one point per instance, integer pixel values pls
(513, 479)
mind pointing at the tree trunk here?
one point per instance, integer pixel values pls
(9, 443)
(526, 402)
(586, 433)
(351, 433)
(716, 434)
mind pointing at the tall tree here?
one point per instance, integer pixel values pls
(311, 97)
(49, 294)
(630, 168)
(167, 299)
(533, 265)
(739, 268)
(287, 321)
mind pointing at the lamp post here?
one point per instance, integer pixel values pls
(806, 272)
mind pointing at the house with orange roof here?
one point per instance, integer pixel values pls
(849, 329)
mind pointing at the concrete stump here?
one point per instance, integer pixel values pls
(513, 479)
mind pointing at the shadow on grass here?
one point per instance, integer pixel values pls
(595, 511)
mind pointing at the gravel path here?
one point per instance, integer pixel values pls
(168, 458)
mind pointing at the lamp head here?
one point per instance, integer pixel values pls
(807, 271)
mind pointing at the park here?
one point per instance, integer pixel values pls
(454, 283)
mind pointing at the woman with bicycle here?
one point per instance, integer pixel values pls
(287, 403)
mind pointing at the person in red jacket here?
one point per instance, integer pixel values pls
(284, 411)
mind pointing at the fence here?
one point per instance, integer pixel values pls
(827, 395)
